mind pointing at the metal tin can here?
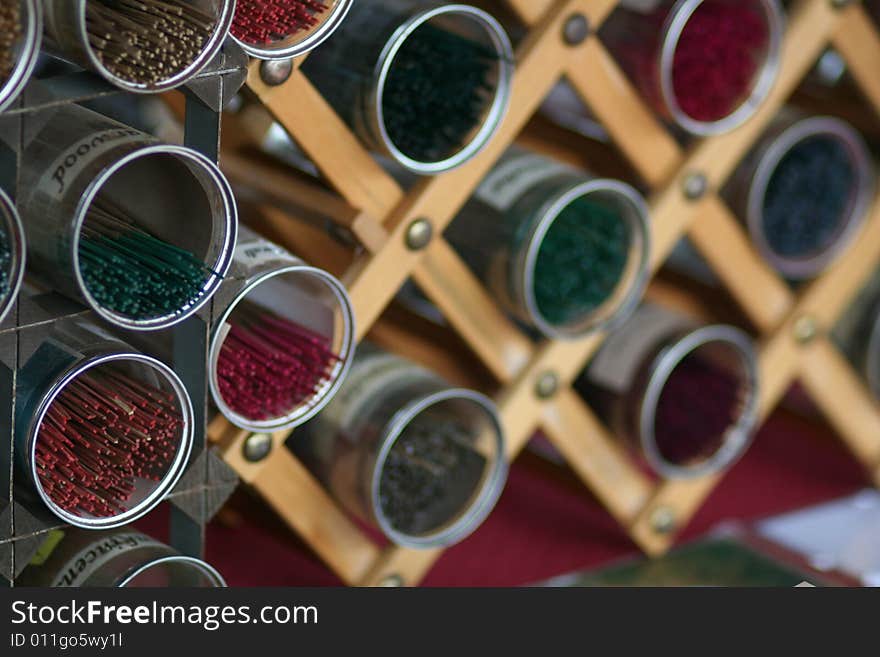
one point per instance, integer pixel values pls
(300, 43)
(397, 432)
(749, 184)
(118, 558)
(182, 198)
(266, 277)
(12, 237)
(25, 50)
(352, 69)
(857, 332)
(67, 36)
(53, 356)
(644, 35)
(501, 231)
(628, 376)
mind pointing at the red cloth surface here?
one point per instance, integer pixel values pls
(547, 524)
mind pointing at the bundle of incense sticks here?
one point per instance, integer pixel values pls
(697, 406)
(436, 93)
(5, 262)
(430, 475)
(808, 196)
(261, 22)
(132, 272)
(104, 431)
(581, 261)
(147, 41)
(10, 33)
(269, 365)
(717, 57)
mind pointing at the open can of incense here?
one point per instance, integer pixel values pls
(804, 192)
(564, 251)
(704, 65)
(283, 338)
(12, 254)
(116, 558)
(21, 34)
(142, 232)
(102, 431)
(281, 29)
(148, 46)
(857, 333)
(402, 449)
(684, 396)
(426, 85)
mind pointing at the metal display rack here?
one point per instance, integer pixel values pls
(207, 481)
(398, 235)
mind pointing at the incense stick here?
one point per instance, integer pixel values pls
(718, 55)
(807, 197)
(147, 41)
(102, 433)
(698, 404)
(581, 261)
(436, 93)
(10, 34)
(132, 272)
(263, 22)
(269, 365)
(430, 475)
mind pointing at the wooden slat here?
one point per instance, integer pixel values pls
(472, 311)
(727, 249)
(325, 138)
(597, 458)
(595, 76)
(843, 398)
(858, 42)
(410, 566)
(529, 11)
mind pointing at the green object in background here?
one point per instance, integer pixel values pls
(581, 261)
(714, 562)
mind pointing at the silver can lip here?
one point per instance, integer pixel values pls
(481, 506)
(493, 118)
(852, 220)
(28, 52)
(162, 487)
(218, 262)
(737, 437)
(295, 45)
(225, 10)
(629, 292)
(11, 224)
(306, 411)
(676, 21)
(201, 567)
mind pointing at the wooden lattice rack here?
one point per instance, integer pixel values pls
(793, 326)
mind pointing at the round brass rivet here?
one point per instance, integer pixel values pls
(257, 446)
(576, 29)
(663, 520)
(275, 72)
(391, 581)
(695, 186)
(806, 328)
(419, 234)
(547, 385)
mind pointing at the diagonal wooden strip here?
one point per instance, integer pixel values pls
(529, 11)
(858, 41)
(596, 456)
(604, 87)
(324, 137)
(829, 379)
(722, 241)
(472, 311)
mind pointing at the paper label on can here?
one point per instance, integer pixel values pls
(85, 563)
(641, 6)
(258, 252)
(622, 354)
(513, 177)
(75, 159)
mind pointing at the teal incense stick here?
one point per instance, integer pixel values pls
(581, 261)
(132, 272)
